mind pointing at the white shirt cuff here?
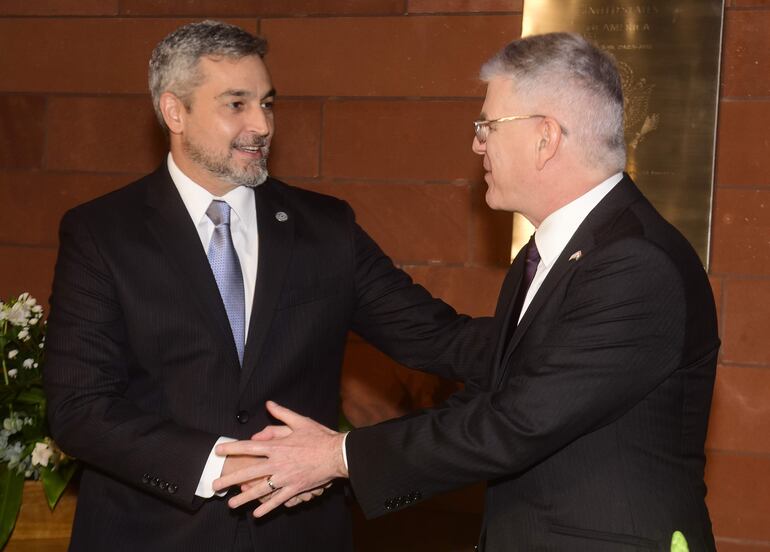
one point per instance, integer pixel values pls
(212, 470)
(345, 451)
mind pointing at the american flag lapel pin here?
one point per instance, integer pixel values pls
(576, 256)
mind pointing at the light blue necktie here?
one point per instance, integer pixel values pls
(227, 271)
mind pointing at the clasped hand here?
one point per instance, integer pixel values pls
(300, 459)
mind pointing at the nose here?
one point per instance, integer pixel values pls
(477, 147)
(260, 121)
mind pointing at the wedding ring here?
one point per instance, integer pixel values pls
(271, 484)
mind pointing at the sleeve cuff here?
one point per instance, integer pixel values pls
(212, 470)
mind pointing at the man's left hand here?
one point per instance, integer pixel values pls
(301, 459)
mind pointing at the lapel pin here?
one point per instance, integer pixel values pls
(280, 216)
(576, 256)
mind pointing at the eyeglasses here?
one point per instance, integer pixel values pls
(482, 127)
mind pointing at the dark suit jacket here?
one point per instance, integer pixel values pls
(142, 374)
(590, 428)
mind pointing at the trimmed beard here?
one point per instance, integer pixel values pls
(222, 166)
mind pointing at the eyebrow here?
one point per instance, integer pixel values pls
(482, 117)
(237, 93)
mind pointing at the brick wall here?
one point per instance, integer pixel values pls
(375, 103)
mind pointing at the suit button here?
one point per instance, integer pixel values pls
(156, 481)
(172, 488)
(242, 417)
(164, 485)
(146, 478)
(389, 504)
(417, 495)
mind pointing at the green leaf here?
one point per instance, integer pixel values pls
(679, 543)
(343, 424)
(11, 488)
(32, 395)
(55, 481)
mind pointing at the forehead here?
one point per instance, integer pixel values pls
(248, 73)
(500, 97)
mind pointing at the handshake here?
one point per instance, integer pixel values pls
(287, 464)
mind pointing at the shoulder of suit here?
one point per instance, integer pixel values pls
(303, 198)
(120, 200)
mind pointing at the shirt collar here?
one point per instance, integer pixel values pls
(197, 199)
(558, 228)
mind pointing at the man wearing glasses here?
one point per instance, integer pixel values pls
(590, 424)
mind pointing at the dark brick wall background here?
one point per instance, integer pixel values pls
(375, 103)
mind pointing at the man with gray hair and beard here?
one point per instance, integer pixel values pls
(185, 300)
(590, 423)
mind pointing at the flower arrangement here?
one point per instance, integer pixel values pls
(26, 449)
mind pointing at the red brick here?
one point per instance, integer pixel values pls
(411, 222)
(738, 545)
(468, 6)
(737, 496)
(741, 232)
(249, 8)
(743, 150)
(746, 53)
(375, 388)
(104, 134)
(34, 201)
(385, 56)
(740, 413)
(746, 317)
(21, 131)
(26, 269)
(296, 147)
(81, 55)
(50, 8)
(470, 290)
(400, 140)
(716, 289)
(491, 238)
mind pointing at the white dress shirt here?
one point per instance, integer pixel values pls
(243, 228)
(553, 234)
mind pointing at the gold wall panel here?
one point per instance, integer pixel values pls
(668, 57)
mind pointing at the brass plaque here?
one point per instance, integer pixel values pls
(668, 57)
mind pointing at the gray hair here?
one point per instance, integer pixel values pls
(575, 78)
(174, 61)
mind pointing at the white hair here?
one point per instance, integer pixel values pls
(566, 73)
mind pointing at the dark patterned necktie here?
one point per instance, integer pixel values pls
(227, 271)
(530, 268)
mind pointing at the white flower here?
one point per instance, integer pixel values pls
(12, 353)
(13, 424)
(35, 365)
(12, 372)
(37, 309)
(23, 297)
(33, 321)
(18, 314)
(30, 301)
(41, 346)
(28, 363)
(24, 333)
(41, 454)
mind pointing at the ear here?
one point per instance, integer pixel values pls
(173, 111)
(549, 138)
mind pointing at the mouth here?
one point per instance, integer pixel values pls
(253, 151)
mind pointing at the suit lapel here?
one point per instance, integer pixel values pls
(584, 240)
(276, 222)
(508, 293)
(170, 223)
